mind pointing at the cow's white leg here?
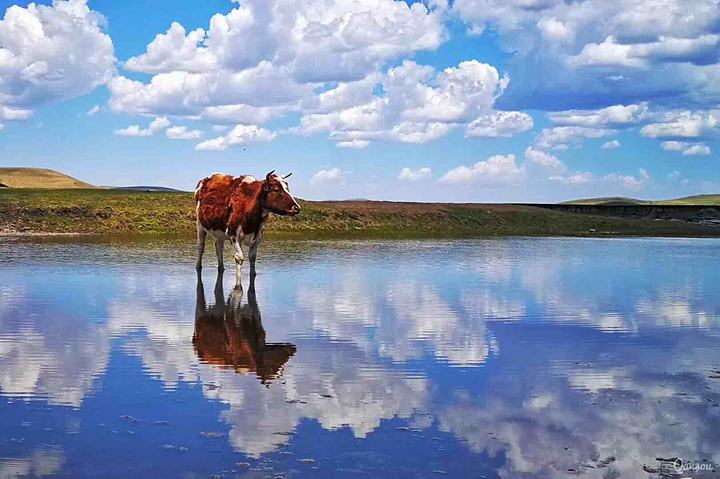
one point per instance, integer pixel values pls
(219, 250)
(252, 253)
(201, 235)
(239, 258)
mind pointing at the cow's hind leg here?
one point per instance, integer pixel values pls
(219, 250)
(252, 253)
(201, 236)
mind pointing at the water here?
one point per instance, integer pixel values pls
(489, 358)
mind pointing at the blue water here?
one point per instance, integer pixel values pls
(504, 358)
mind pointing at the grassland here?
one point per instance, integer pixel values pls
(119, 212)
(38, 178)
(696, 200)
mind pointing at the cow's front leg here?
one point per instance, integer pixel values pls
(219, 250)
(239, 258)
(253, 253)
(201, 235)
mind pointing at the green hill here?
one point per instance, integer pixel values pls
(710, 200)
(38, 178)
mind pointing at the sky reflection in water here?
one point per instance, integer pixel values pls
(496, 358)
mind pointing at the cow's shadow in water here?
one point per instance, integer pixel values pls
(230, 334)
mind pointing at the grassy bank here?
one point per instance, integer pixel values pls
(129, 212)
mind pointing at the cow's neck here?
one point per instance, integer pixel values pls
(255, 215)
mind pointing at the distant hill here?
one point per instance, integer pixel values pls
(710, 200)
(163, 189)
(38, 178)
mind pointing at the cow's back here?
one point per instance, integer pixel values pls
(213, 200)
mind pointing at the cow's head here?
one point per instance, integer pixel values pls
(277, 197)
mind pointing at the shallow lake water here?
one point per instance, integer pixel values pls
(485, 358)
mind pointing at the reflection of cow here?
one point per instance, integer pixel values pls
(228, 334)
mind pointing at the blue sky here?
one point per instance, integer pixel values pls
(472, 100)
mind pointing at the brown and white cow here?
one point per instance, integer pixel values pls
(237, 208)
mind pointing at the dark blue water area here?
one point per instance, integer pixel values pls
(528, 358)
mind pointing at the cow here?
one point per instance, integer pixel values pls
(237, 208)
(230, 335)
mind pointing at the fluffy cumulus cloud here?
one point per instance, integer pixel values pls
(499, 123)
(629, 182)
(263, 58)
(611, 145)
(543, 159)
(496, 170)
(327, 61)
(182, 133)
(614, 181)
(558, 137)
(408, 174)
(581, 54)
(238, 136)
(575, 178)
(329, 176)
(683, 124)
(157, 125)
(687, 149)
(51, 53)
(418, 104)
(574, 126)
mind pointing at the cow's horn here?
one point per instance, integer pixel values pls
(288, 175)
(267, 177)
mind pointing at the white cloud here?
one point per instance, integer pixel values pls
(577, 178)
(51, 53)
(331, 175)
(499, 124)
(682, 124)
(611, 145)
(496, 170)
(240, 135)
(418, 104)
(697, 150)
(182, 133)
(612, 116)
(268, 56)
(174, 50)
(543, 159)
(640, 55)
(329, 41)
(687, 149)
(673, 145)
(155, 126)
(93, 111)
(630, 182)
(580, 54)
(555, 30)
(12, 114)
(353, 144)
(407, 174)
(573, 126)
(560, 136)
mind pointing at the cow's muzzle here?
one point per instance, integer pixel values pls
(295, 209)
